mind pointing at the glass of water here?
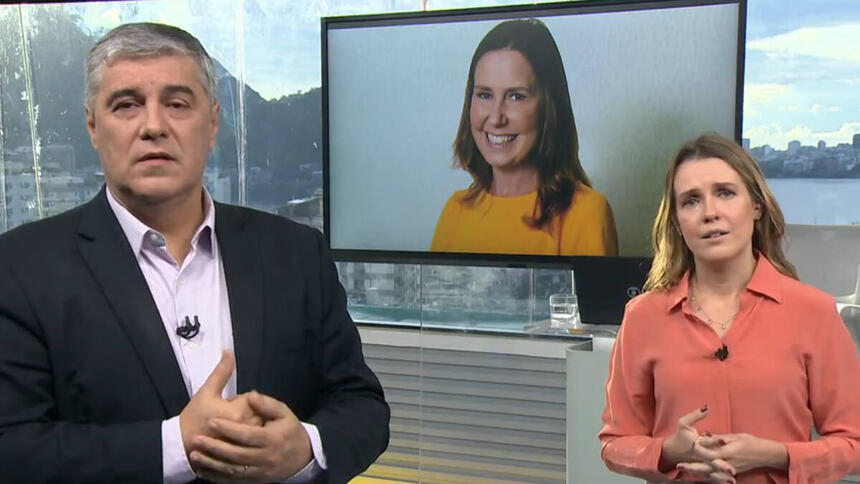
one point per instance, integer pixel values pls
(563, 311)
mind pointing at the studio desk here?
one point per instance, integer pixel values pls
(482, 406)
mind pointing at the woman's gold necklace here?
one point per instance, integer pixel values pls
(722, 324)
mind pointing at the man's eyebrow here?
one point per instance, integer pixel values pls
(130, 92)
(178, 88)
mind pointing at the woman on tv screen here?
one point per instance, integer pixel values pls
(724, 365)
(517, 138)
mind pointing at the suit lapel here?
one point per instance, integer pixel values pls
(105, 250)
(240, 253)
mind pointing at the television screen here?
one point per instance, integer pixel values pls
(528, 135)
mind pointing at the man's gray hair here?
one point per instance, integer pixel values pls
(146, 39)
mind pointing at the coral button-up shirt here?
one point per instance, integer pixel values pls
(791, 364)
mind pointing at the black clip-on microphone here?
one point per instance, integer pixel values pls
(188, 330)
(721, 354)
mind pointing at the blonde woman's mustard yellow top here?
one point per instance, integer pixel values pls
(494, 224)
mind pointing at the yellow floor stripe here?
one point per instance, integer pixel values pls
(373, 480)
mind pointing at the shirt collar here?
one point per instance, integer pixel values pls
(765, 281)
(678, 292)
(135, 230)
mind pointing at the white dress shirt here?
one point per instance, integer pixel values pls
(196, 288)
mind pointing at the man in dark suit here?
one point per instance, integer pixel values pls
(119, 319)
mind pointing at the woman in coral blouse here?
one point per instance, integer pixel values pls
(724, 365)
(517, 138)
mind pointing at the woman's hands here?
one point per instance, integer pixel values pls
(745, 452)
(718, 458)
(685, 450)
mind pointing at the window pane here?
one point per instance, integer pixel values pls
(268, 153)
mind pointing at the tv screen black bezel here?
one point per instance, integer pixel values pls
(598, 272)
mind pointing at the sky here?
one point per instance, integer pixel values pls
(281, 37)
(802, 73)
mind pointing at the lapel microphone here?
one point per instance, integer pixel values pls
(721, 354)
(187, 330)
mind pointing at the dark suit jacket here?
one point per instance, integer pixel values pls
(87, 373)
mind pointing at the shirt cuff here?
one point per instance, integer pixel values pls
(655, 453)
(174, 463)
(317, 464)
(316, 444)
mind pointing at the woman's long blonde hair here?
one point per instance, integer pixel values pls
(672, 258)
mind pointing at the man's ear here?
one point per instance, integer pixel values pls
(216, 119)
(91, 125)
